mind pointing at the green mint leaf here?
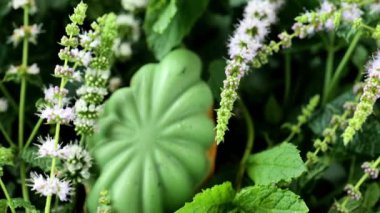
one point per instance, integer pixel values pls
(6, 156)
(21, 203)
(3, 205)
(266, 199)
(323, 118)
(167, 22)
(30, 156)
(371, 195)
(166, 17)
(281, 163)
(213, 200)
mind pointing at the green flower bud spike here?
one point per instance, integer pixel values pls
(370, 94)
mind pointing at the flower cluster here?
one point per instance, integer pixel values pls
(129, 33)
(329, 134)
(48, 186)
(371, 92)
(55, 108)
(132, 5)
(352, 192)
(76, 165)
(48, 148)
(242, 48)
(371, 170)
(327, 17)
(3, 105)
(26, 33)
(114, 83)
(16, 70)
(94, 89)
(17, 4)
(31, 32)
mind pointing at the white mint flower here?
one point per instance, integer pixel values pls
(327, 7)
(61, 71)
(242, 45)
(57, 115)
(77, 76)
(39, 184)
(374, 8)
(13, 69)
(50, 186)
(97, 75)
(19, 33)
(33, 69)
(131, 24)
(351, 12)
(47, 148)
(77, 162)
(114, 83)
(262, 10)
(63, 189)
(85, 124)
(16, 4)
(373, 67)
(54, 93)
(254, 28)
(85, 58)
(95, 43)
(132, 5)
(82, 56)
(83, 90)
(3, 105)
(86, 38)
(17, 36)
(34, 30)
(87, 109)
(122, 50)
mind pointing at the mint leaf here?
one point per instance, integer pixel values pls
(281, 163)
(265, 199)
(167, 22)
(3, 205)
(216, 199)
(322, 119)
(371, 195)
(367, 141)
(30, 156)
(21, 203)
(166, 17)
(6, 156)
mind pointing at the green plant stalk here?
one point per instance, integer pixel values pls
(8, 96)
(287, 77)
(33, 134)
(291, 135)
(329, 68)
(6, 136)
(338, 73)
(21, 122)
(249, 146)
(21, 113)
(335, 128)
(82, 140)
(361, 181)
(56, 140)
(9, 200)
